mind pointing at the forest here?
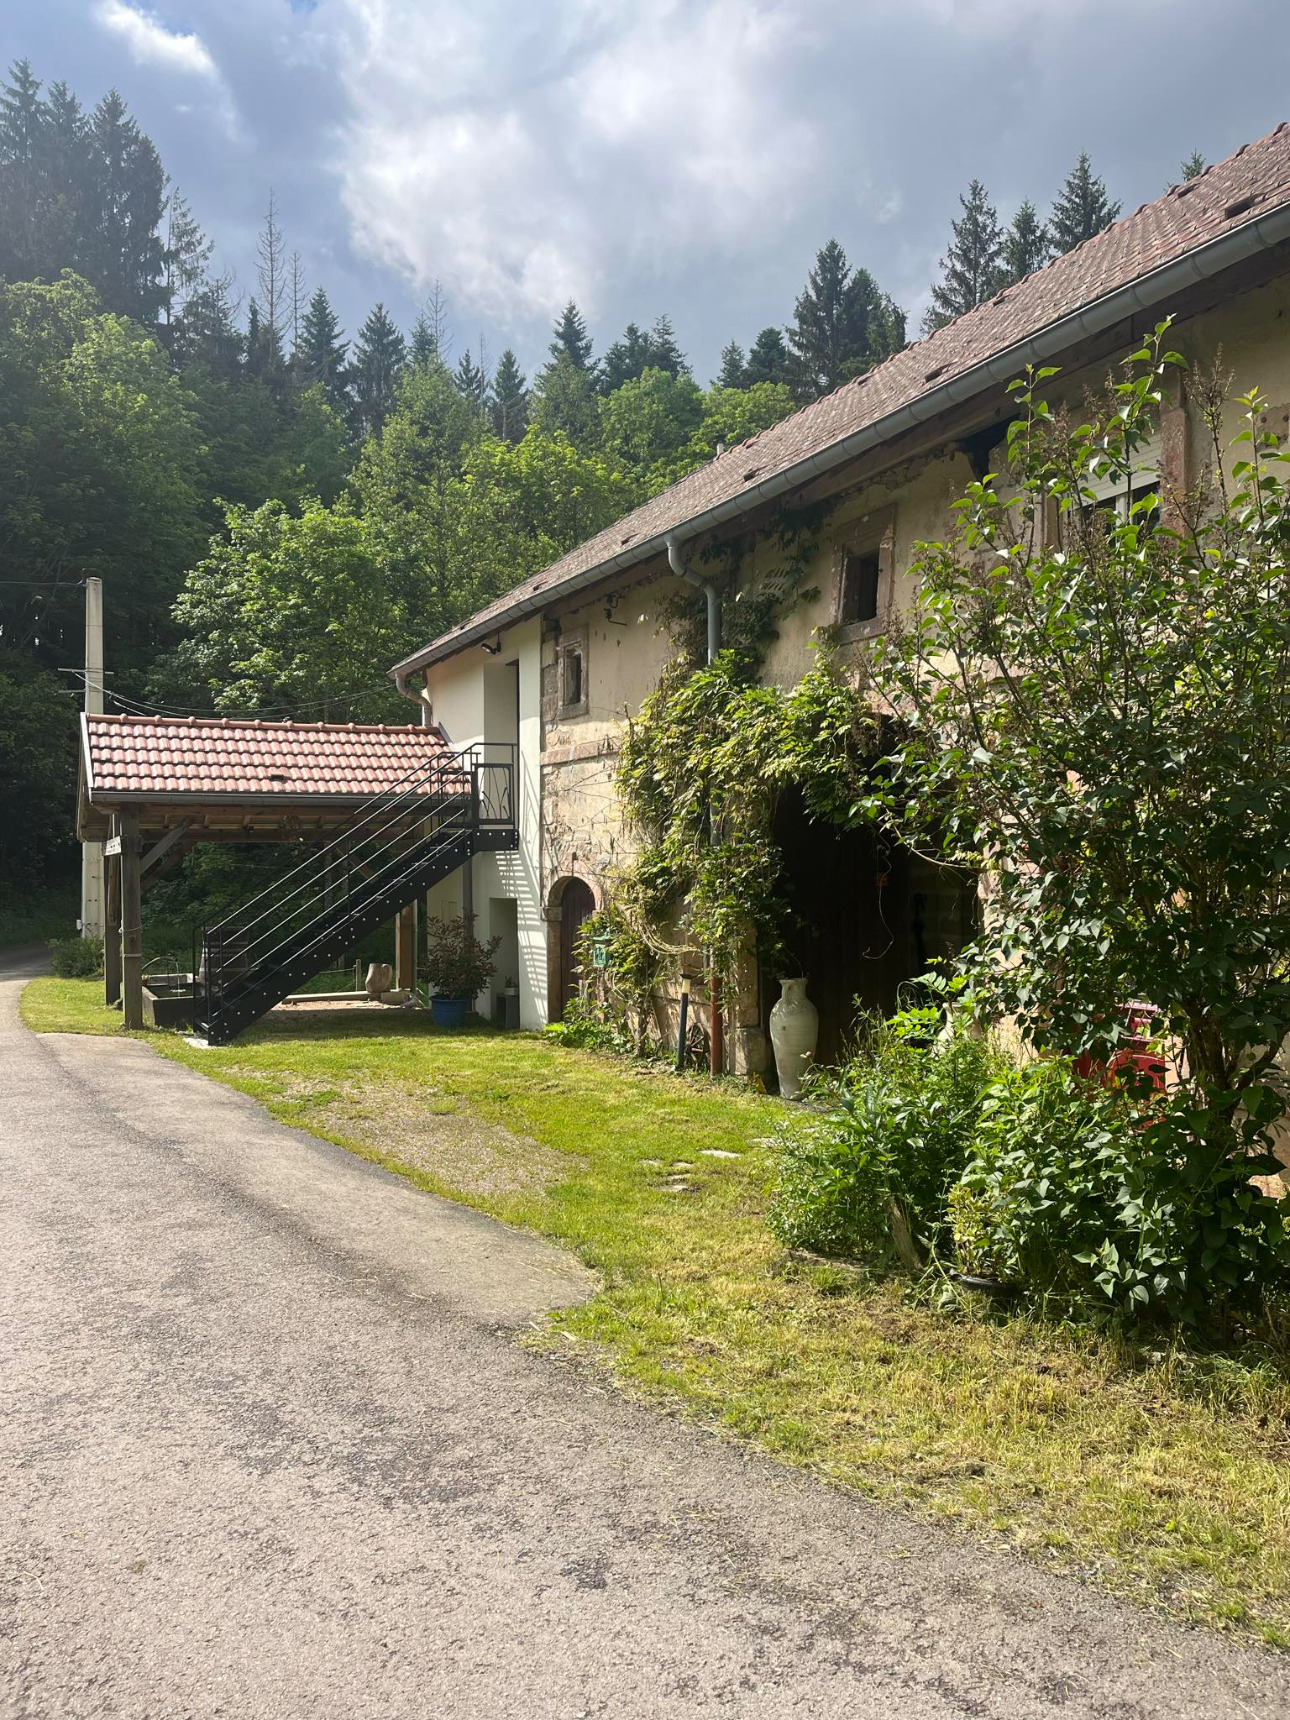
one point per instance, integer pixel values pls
(278, 508)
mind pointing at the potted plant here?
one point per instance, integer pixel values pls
(457, 967)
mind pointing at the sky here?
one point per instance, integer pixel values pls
(648, 156)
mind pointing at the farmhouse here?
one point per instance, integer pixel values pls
(557, 666)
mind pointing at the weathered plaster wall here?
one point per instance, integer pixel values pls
(626, 647)
(473, 697)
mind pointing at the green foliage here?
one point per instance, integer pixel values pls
(1081, 208)
(973, 268)
(100, 454)
(76, 958)
(870, 1170)
(456, 963)
(38, 738)
(843, 325)
(1108, 709)
(380, 356)
(1118, 1207)
(292, 611)
(646, 424)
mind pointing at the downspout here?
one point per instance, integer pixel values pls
(716, 1025)
(418, 699)
(707, 586)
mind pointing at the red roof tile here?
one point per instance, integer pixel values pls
(1231, 194)
(165, 756)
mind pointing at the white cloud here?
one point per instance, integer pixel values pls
(523, 161)
(152, 44)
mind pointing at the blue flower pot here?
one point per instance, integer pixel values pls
(448, 1011)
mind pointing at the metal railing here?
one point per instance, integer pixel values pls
(430, 815)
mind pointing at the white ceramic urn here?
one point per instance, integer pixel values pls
(794, 1029)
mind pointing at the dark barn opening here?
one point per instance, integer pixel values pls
(868, 917)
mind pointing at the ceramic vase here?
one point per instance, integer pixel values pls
(794, 1030)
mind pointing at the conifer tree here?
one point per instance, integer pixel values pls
(379, 360)
(127, 197)
(571, 338)
(24, 120)
(769, 359)
(662, 351)
(843, 324)
(625, 359)
(431, 340)
(972, 270)
(1025, 244)
(188, 254)
(67, 164)
(297, 298)
(271, 268)
(471, 380)
(1193, 167)
(1081, 209)
(509, 403)
(322, 351)
(731, 374)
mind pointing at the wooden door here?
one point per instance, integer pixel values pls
(576, 904)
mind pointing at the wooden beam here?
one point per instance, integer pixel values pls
(405, 948)
(112, 927)
(131, 923)
(160, 849)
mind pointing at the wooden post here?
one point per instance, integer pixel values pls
(716, 1026)
(112, 927)
(131, 923)
(405, 948)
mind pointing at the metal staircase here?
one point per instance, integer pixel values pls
(399, 843)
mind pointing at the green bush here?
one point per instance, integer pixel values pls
(1118, 1205)
(76, 958)
(869, 1170)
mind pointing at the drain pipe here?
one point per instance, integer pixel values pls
(716, 1025)
(677, 563)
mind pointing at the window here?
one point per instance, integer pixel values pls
(571, 687)
(571, 676)
(1118, 494)
(863, 589)
(860, 576)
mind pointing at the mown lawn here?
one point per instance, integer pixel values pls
(1162, 1473)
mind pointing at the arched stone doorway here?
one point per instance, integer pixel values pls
(569, 905)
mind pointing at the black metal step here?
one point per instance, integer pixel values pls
(254, 993)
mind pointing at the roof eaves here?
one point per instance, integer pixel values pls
(1147, 291)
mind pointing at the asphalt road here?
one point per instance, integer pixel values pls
(268, 1448)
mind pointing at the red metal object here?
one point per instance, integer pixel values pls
(1135, 1061)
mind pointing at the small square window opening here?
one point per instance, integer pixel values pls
(860, 577)
(571, 692)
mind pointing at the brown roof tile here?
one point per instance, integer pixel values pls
(1226, 196)
(166, 756)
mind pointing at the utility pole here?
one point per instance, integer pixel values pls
(92, 852)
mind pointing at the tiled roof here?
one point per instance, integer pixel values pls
(1231, 194)
(166, 756)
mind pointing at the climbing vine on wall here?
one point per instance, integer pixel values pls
(700, 772)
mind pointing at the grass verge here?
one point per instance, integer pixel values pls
(1163, 1474)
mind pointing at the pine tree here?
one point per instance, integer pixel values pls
(271, 268)
(322, 351)
(1081, 209)
(1193, 167)
(972, 270)
(571, 338)
(127, 200)
(379, 360)
(471, 380)
(768, 359)
(188, 254)
(68, 178)
(509, 404)
(208, 335)
(297, 298)
(625, 360)
(1026, 245)
(662, 351)
(843, 324)
(733, 365)
(431, 341)
(24, 120)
